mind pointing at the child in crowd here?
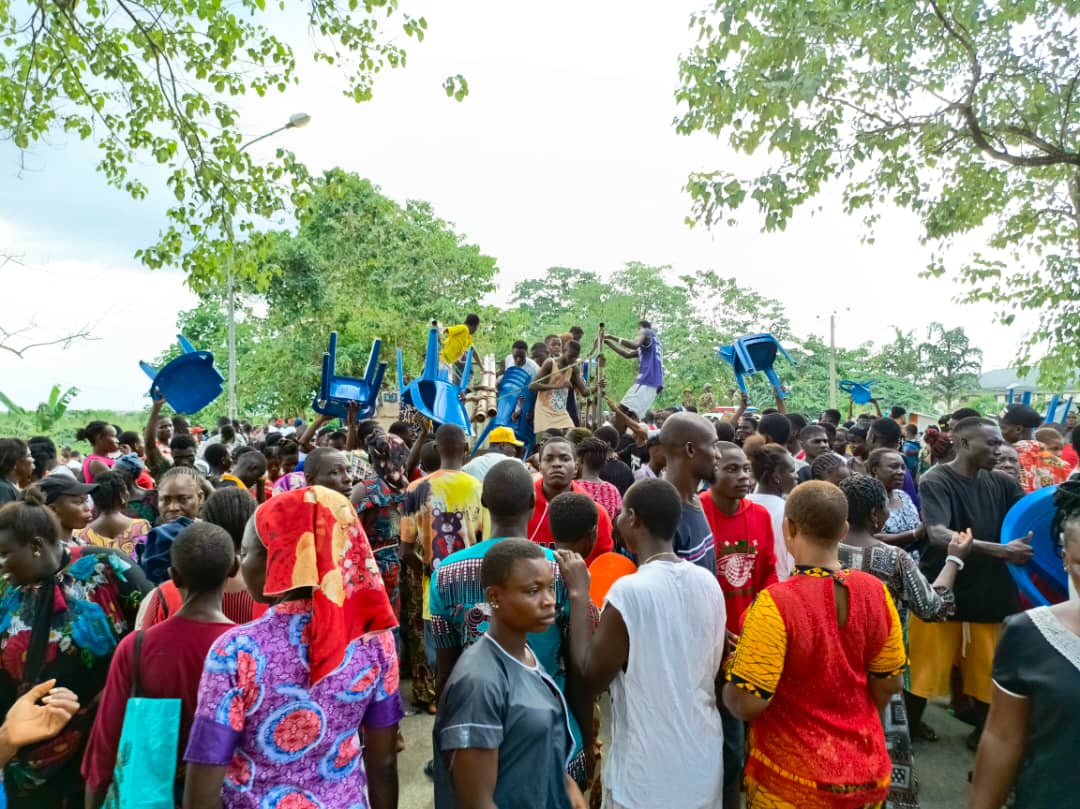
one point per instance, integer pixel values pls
(502, 736)
(573, 520)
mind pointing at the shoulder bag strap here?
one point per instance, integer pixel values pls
(136, 687)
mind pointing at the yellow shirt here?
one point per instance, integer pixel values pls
(458, 341)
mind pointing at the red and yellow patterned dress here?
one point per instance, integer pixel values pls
(819, 744)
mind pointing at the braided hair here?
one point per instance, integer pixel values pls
(110, 492)
(864, 494)
(231, 508)
(825, 464)
(593, 452)
(183, 471)
(1067, 502)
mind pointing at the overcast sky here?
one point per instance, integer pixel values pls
(564, 153)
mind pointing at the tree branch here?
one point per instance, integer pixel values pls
(6, 336)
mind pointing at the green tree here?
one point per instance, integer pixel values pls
(966, 112)
(900, 358)
(359, 264)
(155, 82)
(951, 364)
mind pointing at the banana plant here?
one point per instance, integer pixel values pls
(46, 414)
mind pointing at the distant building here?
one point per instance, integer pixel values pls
(998, 383)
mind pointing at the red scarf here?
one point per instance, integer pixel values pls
(314, 539)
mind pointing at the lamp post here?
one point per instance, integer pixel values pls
(296, 121)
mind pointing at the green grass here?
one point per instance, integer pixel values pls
(63, 432)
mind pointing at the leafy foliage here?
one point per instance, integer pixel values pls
(44, 417)
(966, 112)
(359, 264)
(365, 266)
(156, 82)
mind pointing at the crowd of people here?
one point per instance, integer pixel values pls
(227, 615)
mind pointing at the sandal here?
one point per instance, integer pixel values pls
(926, 733)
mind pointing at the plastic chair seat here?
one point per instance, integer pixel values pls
(513, 386)
(859, 391)
(433, 394)
(189, 382)
(754, 353)
(337, 393)
(1035, 513)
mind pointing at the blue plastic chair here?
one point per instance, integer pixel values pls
(1052, 410)
(189, 382)
(753, 353)
(336, 393)
(1025, 397)
(859, 391)
(1035, 512)
(513, 386)
(433, 395)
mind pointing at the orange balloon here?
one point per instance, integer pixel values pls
(606, 569)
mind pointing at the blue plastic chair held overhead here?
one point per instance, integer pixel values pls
(433, 394)
(189, 382)
(337, 393)
(754, 353)
(513, 386)
(859, 391)
(1043, 575)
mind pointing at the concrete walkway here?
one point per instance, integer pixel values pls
(941, 766)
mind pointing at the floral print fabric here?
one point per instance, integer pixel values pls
(92, 602)
(286, 744)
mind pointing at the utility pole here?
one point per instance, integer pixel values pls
(832, 360)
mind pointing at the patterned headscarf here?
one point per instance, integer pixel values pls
(314, 539)
(388, 455)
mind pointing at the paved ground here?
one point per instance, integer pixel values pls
(942, 766)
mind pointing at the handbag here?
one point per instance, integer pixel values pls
(145, 770)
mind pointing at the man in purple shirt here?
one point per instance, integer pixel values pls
(646, 349)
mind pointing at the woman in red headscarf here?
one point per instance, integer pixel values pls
(281, 698)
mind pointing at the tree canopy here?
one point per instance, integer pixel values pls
(966, 112)
(156, 82)
(365, 266)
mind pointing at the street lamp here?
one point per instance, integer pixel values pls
(296, 121)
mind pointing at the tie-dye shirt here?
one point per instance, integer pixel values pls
(286, 744)
(442, 514)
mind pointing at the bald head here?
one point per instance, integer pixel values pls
(681, 429)
(689, 446)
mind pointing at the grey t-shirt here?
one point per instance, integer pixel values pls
(694, 539)
(492, 701)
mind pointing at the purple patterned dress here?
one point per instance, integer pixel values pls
(287, 745)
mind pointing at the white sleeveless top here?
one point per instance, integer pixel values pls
(666, 736)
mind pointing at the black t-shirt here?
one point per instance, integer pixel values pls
(633, 455)
(985, 591)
